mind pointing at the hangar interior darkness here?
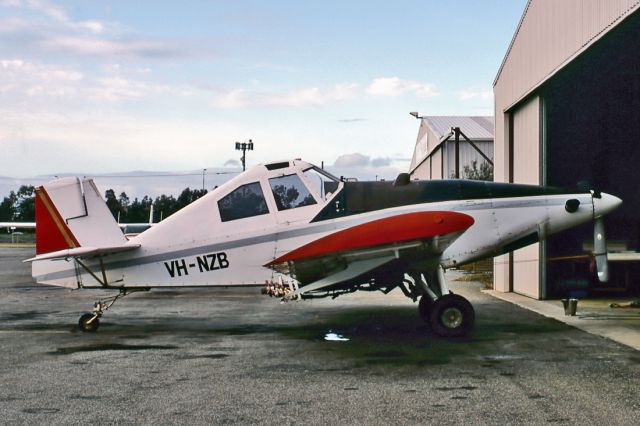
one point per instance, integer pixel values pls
(591, 132)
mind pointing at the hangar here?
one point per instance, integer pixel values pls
(567, 110)
(434, 155)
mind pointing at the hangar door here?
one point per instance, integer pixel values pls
(592, 134)
(526, 169)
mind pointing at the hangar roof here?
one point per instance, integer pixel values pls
(478, 127)
(549, 35)
(434, 129)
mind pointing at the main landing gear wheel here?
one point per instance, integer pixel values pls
(451, 315)
(89, 322)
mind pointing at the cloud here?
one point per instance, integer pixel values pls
(231, 163)
(351, 120)
(55, 31)
(34, 79)
(394, 86)
(360, 160)
(359, 166)
(381, 162)
(475, 93)
(93, 26)
(51, 140)
(38, 5)
(31, 79)
(307, 96)
(131, 47)
(55, 13)
(316, 96)
(352, 160)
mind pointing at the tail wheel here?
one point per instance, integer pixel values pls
(451, 315)
(89, 322)
(425, 305)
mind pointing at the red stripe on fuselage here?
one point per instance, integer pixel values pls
(402, 227)
(52, 233)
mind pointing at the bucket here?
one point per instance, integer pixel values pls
(570, 306)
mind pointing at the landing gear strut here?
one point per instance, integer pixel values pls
(447, 314)
(90, 322)
(425, 305)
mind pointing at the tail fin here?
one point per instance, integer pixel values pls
(70, 213)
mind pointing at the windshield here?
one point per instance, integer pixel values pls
(322, 182)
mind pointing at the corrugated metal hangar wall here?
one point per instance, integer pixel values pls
(567, 109)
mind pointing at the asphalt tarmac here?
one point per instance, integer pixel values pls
(215, 356)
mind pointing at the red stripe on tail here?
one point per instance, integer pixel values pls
(52, 233)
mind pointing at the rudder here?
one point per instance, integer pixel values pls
(71, 213)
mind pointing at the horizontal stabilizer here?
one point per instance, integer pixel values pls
(82, 252)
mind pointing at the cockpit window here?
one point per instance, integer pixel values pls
(322, 182)
(289, 192)
(246, 201)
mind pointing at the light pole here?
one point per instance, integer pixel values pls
(203, 172)
(244, 147)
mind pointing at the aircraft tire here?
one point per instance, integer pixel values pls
(87, 326)
(424, 308)
(451, 315)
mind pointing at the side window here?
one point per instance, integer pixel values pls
(246, 201)
(289, 192)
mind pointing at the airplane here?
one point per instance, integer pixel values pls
(302, 233)
(131, 230)
(128, 229)
(12, 226)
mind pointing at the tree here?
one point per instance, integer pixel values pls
(124, 203)
(484, 172)
(8, 207)
(25, 204)
(165, 206)
(20, 205)
(188, 196)
(112, 202)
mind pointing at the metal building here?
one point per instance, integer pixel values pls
(434, 155)
(567, 109)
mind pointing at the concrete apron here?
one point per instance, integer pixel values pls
(592, 315)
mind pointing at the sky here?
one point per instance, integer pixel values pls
(114, 86)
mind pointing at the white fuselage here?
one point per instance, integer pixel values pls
(194, 248)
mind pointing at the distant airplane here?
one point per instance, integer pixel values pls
(131, 230)
(12, 226)
(304, 233)
(128, 229)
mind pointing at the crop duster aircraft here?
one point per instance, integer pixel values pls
(304, 233)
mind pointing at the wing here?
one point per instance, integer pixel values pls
(355, 251)
(18, 225)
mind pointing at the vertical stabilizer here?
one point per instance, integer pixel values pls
(71, 213)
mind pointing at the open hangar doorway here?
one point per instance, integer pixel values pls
(590, 131)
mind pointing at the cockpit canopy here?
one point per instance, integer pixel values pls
(275, 187)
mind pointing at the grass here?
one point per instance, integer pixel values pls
(26, 239)
(485, 278)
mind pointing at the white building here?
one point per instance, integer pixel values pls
(434, 155)
(567, 109)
